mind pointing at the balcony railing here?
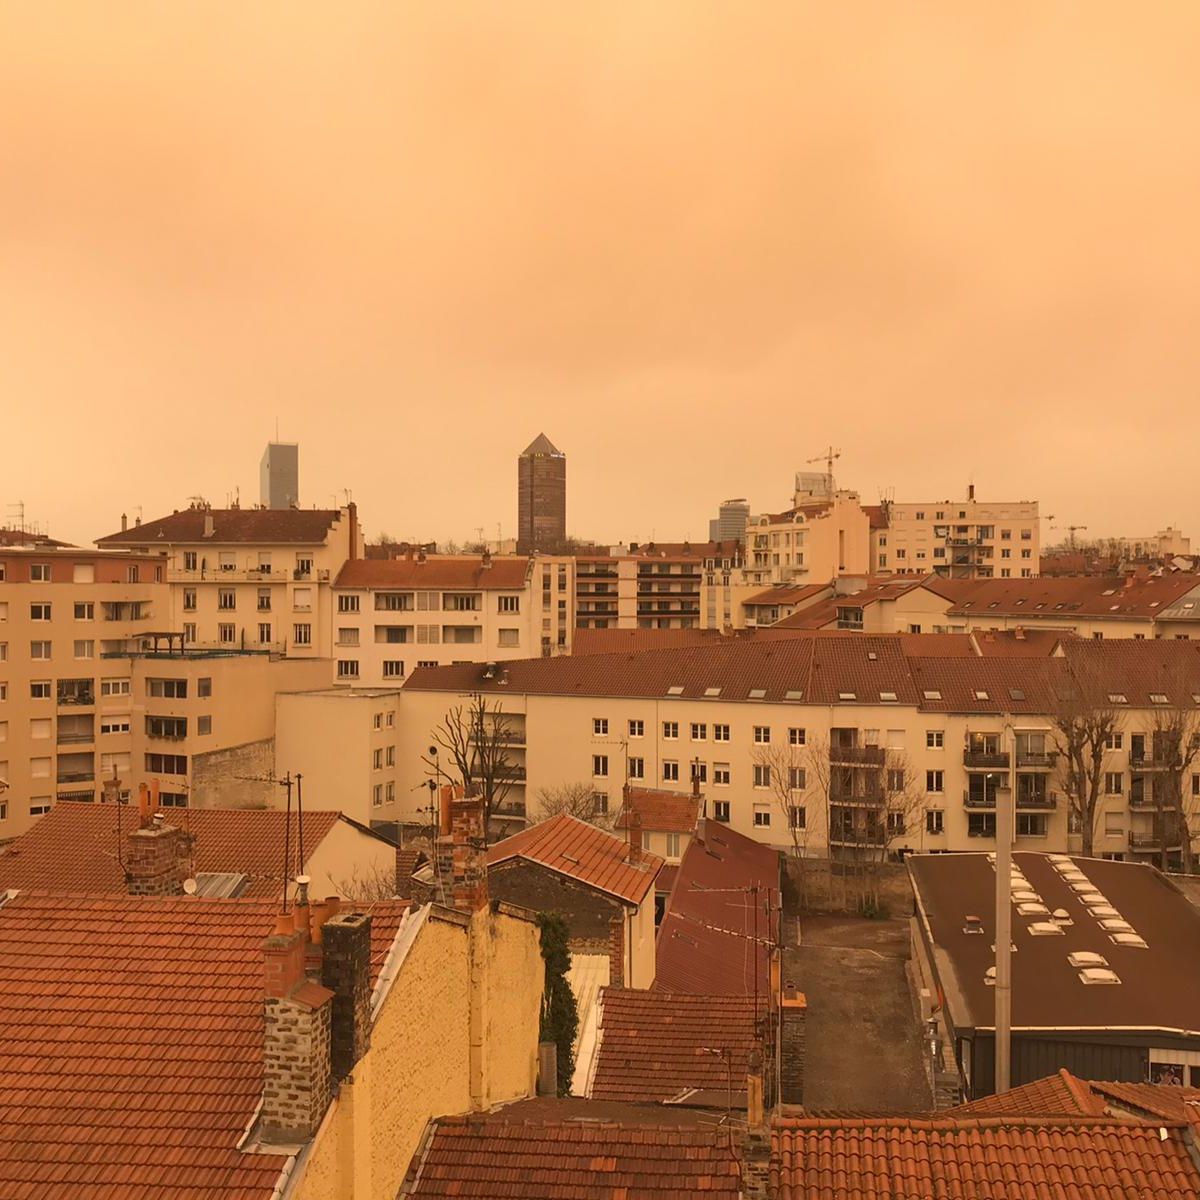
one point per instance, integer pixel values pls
(77, 698)
(977, 801)
(1155, 841)
(1150, 762)
(80, 776)
(860, 799)
(1044, 802)
(231, 574)
(76, 739)
(985, 760)
(874, 839)
(866, 756)
(1037, 760)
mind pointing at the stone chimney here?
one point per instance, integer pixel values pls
(124, 522)
(154, 859)
(793, 1014)
(346, 972)
(486, 560)
(756, 1148)
(633, 825)
(297, 1077)
(463, 857)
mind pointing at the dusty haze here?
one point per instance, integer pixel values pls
(693, 242)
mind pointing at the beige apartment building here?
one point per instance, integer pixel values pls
(250, 578)
(838, 716)
(391, 616)
(957, 539)
(821, 538)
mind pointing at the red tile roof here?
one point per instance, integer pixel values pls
(260, 526)
(712, 939)
(617, 641)
(437, 571)
(582, 852)
(498, 1158)
(131, 1061)
(1065, 598)
(876, 515)
(660, 811)
(1060, 1094)
(655, 1047)
(73, 848)
(788, 594)
(25, 537)
(1019, 643)
(1035, 1159)
(816, 616)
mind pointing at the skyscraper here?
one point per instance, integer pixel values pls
(730, 524)
(279, 475)
(541, 497)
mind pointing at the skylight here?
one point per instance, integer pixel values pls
(847, 696)
(1117, 698)
(1103, 910)
(1092, 975)
(932, 695)
(872, 655)
(793, 695)
(981, 695)
(1133, 940)
(1109, 592)
(1116, 925)
(1016, 693)
(675, 691)
(1158, 698)
(1032, 910)
(1087, 958)
(757, 693)
(712, 691)
(887, 696)
(1044, 929)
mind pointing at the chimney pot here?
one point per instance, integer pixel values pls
(124, 522)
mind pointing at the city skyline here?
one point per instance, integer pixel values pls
(455, 241)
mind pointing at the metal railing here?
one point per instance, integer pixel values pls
(869, 756)
(986, 760)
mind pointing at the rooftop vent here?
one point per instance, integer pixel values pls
(1087, 958)
(1116, 925)
(1133, 940)
(931, 694)
(1016, 693)
(1060, 916)
(1033, 910)
(1103, 910)
(1044, 929)
(1094, 975)
(757, 693)
(989, 977)
(972, 925)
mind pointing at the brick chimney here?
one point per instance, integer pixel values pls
(756, 1147)
(793, 1015)
(297, 1077)
(346, 972)
(462, 857)
(633, 825)
(154, 859)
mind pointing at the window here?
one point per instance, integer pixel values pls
(600, 766)
(509, 638)
(377, 721)
(672, 845)
(427, 662)
(797, 737)
(599, 803)
(721, 811)
(1114, 741)
(981, 825)
(346, 635)
(393, 602)
(39, 572)
(670, 772)
(699, 731)
(933, 821)
(166, 727)
(935, 739)
(302, 599)
(720, 733)
(41, 650)
(797, 779)
(39, 689)
(670, 730)
(85, 648)
(508, 604)
(204, 686)
(166, 764)
(1195, 782)
(348, 604)
(465, 602)
(189, 599)
(721, 774)
(762, 735)
(227, 633)
(762, 775)
(39, 768)
(895, 779)
(1113, 783)
(85, 611)
(934, 781)
(895, 824)
(1114, 824)
(393, 668)
(189, 560)
(599, 727)
(637, 768)
(377, 757)
(114, 687)
(302, 635)
(377, 795)
(167, 689)
(39, 806)
(637, 729)
(347, 668)
(762, 818)
(115, 724)
(303, 565)
(173, 799)
(1031, 824)
(1006, 535)
(189, 631)
(264, 634)
(264, 599)
(226, 599)
(3, 691)
(131, 574)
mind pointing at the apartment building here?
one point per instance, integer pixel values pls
(66, 617)
(956, 539)
(541, 497)
(849, 721)
(819, 539)
(250, 578)
(392, 615)
(342, 743)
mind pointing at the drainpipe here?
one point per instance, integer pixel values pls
(1005, 799)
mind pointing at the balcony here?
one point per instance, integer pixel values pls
(302, 576)
(863, 798)
(860, 756)
(595, 571)
(985, 760)
(230, 574)
(1149, 762)
(1155, 842)
(76, 696)
(977, 801)
(511, 774)
(859, 839)
(1044, 803)
(1145, 803)
(75, 739)
(83, 775)
(1036, 760)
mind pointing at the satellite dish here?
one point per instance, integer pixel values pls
(189, 887)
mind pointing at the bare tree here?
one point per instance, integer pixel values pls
(576, 800)
(1175, 746)
(478, 739)
(1085, 723)
(378, 883)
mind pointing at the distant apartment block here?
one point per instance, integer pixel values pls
(729, 525)
(541, 497)
(819, 539)
(279, 475)
(1166, 543)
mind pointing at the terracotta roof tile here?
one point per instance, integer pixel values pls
(660, 811)
(582, 852)
(655, 1047)
(261, 526)
(73, 848)
(1039, 1159)
(706, 941)
(1063, 598)
(436, 571)
(495, 1158)
(788, 594)
(1060, 1094)
(131, 1061)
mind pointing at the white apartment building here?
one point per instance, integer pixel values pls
(818, 540)
(839, 715)
(250, 578)
(957, 539)
(393, 615)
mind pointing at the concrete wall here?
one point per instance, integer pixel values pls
(351, 863)
(236, 777)
(418, 1065)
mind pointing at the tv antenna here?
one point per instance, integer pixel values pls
(287, 782)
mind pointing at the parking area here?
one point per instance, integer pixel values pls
(863, 1045)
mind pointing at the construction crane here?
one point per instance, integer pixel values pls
(827, 458)
(1072, 530)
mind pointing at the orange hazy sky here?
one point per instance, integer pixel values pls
(692, 241)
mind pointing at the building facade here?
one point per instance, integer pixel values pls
(541, 497)
(279, 476)
(729, 525)
(814, 542)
